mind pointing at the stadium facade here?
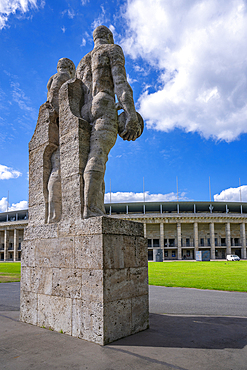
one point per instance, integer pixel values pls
(175, 230)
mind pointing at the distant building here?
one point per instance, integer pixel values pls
(12, 225)
(175, 230)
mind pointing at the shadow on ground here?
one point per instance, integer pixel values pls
(190, 332)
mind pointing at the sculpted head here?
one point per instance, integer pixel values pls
(103, 34)
(66, 64)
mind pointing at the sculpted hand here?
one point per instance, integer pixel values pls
(132, 129)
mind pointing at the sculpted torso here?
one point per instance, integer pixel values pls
(103, 77)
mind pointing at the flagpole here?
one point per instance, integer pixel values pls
(143, 190)
(209, 189)
(240, 195)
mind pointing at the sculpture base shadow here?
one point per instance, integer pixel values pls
(204, 332)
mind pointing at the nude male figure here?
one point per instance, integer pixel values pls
(103, 73)
(65, 71)
(54, 189)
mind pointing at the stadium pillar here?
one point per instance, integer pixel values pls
(162, 237)
(179, 241)
(6, 244)
(16, 243)
(243, 240)
(212, 240)
(228, 238)
(196, 236)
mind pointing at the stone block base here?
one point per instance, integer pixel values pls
(87, 279)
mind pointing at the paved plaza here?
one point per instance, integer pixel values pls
(189, 329)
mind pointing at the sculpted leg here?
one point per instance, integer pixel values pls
(93, 194)
(54, 189)
(94, 187)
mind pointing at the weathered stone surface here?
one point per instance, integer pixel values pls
(41, 280)
(28, 254)
(46, 129)
(41, 231)
(26, 278)
(88, 286)
(54, 313)
(92, 285)
(117, 319)
(88, 320)
(89, 251)
(29, 307)
(129, 228)
(82, 275)
(65, 71)
(139, 313)
(57, 252)
(66, 282)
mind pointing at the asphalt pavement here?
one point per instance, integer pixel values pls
(189, 329)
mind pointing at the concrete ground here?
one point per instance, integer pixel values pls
(189, 329)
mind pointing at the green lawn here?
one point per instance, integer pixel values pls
(10, 271)
(220, 275)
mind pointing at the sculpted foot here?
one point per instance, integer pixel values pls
(92, 212)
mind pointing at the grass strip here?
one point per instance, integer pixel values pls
(214, 275)
(10, 272)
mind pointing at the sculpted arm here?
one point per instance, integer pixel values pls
(49, 86)
(125, 95)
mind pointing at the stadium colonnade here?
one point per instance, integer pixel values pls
(175, 230)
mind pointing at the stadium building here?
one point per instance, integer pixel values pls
(175, 230)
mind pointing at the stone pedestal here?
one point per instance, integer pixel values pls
(87, 279)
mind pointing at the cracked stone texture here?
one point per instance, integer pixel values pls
(90, 285)
(83, 273)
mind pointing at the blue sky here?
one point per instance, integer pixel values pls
(187, 64)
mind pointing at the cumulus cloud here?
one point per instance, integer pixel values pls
(122, 197)
(7, 173)
(101, 19)
(83, 41)
(8, 7)
(232, 194)
(23, 204)
(199, 49)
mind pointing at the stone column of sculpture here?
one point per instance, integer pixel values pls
(103, 73)
(65, 71)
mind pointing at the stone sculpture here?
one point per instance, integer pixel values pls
(54, 189)
(65, 71)
(103, 75)
(85, 276)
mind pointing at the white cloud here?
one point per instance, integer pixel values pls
(199, 49)
(63, 29)
(8, 7)
(101, 18)
(232, 194)
(130, 80)
(14, 207)
(83, 42)
(71, 13)
(19, 96)
(3, 204)
(7, 173)
(23, 204)
(122, 197)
